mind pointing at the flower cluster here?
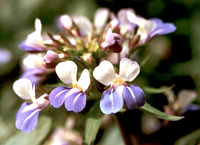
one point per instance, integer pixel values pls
(85, 49)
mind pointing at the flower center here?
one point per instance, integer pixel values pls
(118, 81)
(77, 86)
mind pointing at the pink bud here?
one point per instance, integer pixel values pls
(51, 59)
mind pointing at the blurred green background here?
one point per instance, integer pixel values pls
(175, 57)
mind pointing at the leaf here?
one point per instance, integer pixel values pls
(92, 125)
(190, 139)
(112, 137)
(157, 113)
(151, 90)
(35, 137)
(145, 60)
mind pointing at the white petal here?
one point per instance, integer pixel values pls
(84, 80)
(105, 73)
(84, 24)
(23, 88)
(186, 97)
(100, 17)
(38, 26)
(125, 49)
(125, 14)
(33, 60)
(170, 95)
(146, 25)
(128, 69)
(110, 36)
(66, 21)
(67, 71)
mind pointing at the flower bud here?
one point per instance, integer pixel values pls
(51, 59)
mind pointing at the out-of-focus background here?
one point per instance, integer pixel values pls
(175, 58)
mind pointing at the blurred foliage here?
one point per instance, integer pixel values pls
(173, 59)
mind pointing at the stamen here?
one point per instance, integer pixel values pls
(77, 86)
(118, 81)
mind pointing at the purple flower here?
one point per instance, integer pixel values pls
(150, 28)
(34, 41)
(75, 97)
(120, 93)
(181, 103)
(27, 116)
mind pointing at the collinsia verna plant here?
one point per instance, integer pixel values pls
(99, 54)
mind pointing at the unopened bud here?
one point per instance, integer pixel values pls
(51, 59)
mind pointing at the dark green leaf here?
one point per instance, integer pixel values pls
(190, 139)
(151, 90)
(92, 125)
(157, 113)
(35, 137)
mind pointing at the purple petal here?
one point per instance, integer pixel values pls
(21, 109)
(134, 96)
(34, 48)
(35, 75)
(75, 101)
(30, 122)
(58, 96)
(111, 100)
(162, 28)
(27, 117)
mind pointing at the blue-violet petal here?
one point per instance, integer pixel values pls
(75, 101)
(111, 100)
(134, 96)
(58, 96)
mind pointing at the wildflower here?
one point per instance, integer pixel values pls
(81, 26)
(34, 68)
(74, 98)
(122, 21)
(27, 116)
(150, 28)
(34, 41)
(182, 103)
(120, 93)
(75, 26)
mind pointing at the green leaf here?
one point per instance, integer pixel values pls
(92, 125)
(151, 90)
(157, 113)
(35, 137)
(190, 139)
(145, 60)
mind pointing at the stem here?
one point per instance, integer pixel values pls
(127, 139)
